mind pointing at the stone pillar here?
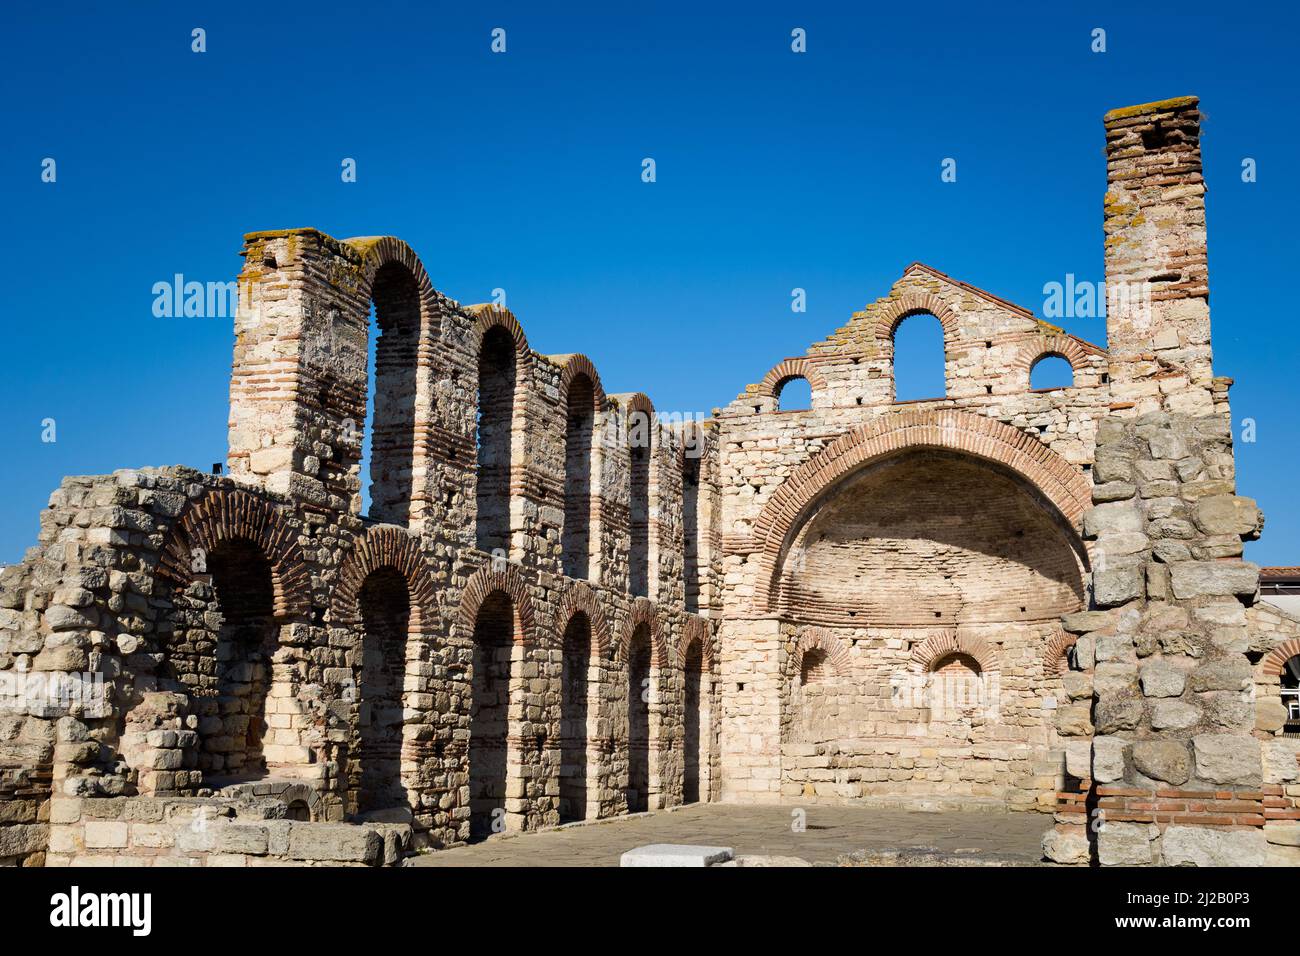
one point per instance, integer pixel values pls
(298, 385)
(1157, 286)
(1174, 759)
(753, 660)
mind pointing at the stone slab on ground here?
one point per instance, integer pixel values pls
(676, 855)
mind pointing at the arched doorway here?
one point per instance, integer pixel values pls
(385, 605)
(494, 654)
(389, 443)
(640, 692)
(231, 703)
(497, 373)
(694, 723)
(579, 430)
(575, 716)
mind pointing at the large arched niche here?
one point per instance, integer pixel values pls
(930, 537)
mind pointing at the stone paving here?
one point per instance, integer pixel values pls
(761, 831)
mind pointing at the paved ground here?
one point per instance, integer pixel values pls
(765, 831)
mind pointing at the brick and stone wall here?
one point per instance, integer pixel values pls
(561, 604)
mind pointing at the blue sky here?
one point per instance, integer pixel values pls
(522, 171)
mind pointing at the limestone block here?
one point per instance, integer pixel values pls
(1078, 758)
(1283, 833)
(1193, 579)
(1227, 758)
(1280, 765)
(1116, 586)
(1204, 846)
(1161, 679)
(106, 834)
(1173, 715)
(1108, 759)
(1165, 760)
(1231, 673)
(1111, 517)
(1270, 715)
(1127, 844)
(1227, 514)
(1066, 845)
(340, 842)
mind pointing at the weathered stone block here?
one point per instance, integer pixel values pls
(1227, 514)
(1127, 844)
(1205, 846)
(1227, 758)
(1165, 760)
(1193, 579)
(1067, 846)
(1116, 586)
(340, 842)
(1161, 679)
(1108, 759)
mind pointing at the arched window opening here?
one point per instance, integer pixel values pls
(691, 528)
(1051, 371)
(232, 716)
(638, 720)
(639, 511)
(497, 373)
(1291, 694)
(574, 714)
(385, 605)
(815, 667)
(919, 358)
(388, 452)
(694, 723)
(794, 394)
(490, 714)
(580, 427)
(955, 685)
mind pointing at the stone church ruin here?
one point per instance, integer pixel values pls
(561, 606)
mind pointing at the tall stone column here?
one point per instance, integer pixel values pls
(1157, 284)
(298, 385)
(1162, 685)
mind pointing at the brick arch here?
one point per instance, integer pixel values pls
(913, 303)
(822, 639)
(226, 514)
(695, 630)
(384, 546)
(379, 251)
(488, 316)
(1275, 660)
(788, 369)
(1059, 345)
(985, 438)
(636, 402)
(644, 612)
(579, 597)
(486, 581)
(571, 366)
(1055, 661)
(938, 646)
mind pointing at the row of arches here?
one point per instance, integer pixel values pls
(820, 654)
(404, 317)
(917, 357)
(618, 705)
